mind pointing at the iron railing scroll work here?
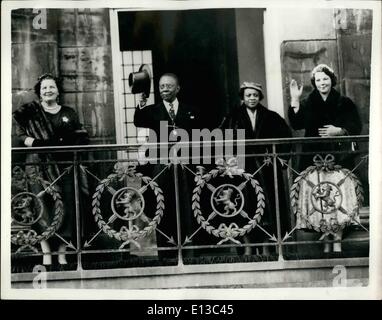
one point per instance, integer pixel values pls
(147, 218)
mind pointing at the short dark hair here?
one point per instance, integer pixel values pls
(37, 86)
(172, 75)
(325, 69)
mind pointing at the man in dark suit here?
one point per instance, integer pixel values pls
(176, 115)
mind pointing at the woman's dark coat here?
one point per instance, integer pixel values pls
(60, 129)
(314, 113)
(269, 125)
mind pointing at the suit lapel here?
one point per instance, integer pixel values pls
(179, 113)
(182, 116)
(247, 124)
(163, 114)
(259, 121)
(183, 112)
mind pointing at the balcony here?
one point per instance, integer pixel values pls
(193, 221)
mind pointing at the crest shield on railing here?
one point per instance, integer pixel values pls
(30, 224)
(326, 197)
(227, 201)
(127, 205)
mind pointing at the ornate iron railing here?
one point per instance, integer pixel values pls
(111, 211)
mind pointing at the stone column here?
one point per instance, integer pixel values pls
(85, 66)
(34, 52)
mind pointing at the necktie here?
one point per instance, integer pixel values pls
(172, 112)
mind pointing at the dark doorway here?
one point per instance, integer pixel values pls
(198, 45)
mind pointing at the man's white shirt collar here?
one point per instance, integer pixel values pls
(252, 117)
(175, 105)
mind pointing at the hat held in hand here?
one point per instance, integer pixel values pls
(140, 82)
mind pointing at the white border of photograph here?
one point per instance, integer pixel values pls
(373, 291)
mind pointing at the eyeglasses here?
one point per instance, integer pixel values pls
(167, 86)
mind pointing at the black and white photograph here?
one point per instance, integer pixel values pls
(214, 149)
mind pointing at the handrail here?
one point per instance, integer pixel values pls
(248, 142)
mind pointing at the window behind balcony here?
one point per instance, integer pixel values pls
(131, 61)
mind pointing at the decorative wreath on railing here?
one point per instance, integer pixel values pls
(233, 230)
(132, 233)
(21, 207)
(325, 164)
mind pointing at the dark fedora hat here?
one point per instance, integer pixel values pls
(141, 81)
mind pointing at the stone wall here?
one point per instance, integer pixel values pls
(354, 38)
(75, 45)
(344, 44)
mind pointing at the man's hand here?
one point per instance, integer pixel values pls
(330, 130)
(142, 101)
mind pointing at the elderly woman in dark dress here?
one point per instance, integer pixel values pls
(325, 113)
(48, 123)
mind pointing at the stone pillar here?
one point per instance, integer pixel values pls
(85, 66)
(250, 48)
(74, 45)
(354, 36)
(34, 52)
(354, 39)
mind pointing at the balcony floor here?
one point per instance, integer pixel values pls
(271, 274)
